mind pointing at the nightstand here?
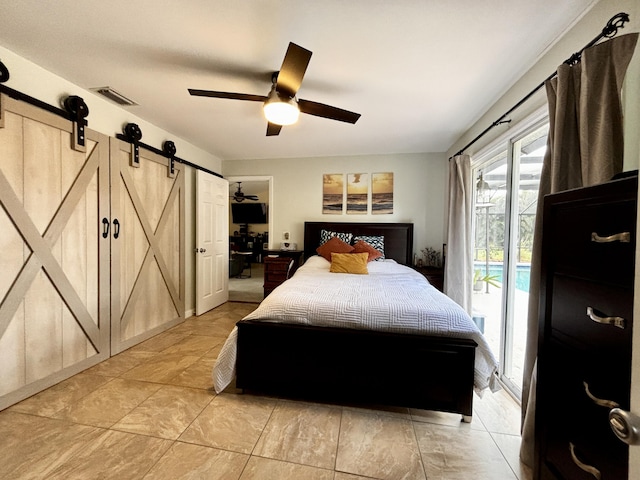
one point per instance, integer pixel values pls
(297, 255)
(435, 276)
(276, 271)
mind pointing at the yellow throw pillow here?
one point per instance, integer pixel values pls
(349, 263)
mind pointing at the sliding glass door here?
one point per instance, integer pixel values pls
(506, 192)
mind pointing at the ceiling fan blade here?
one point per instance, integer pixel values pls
(327, 111)
(232, 96)
(273, 129)
(293, 69)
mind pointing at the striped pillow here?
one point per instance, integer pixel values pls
(325, 236)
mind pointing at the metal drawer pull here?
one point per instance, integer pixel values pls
(587, 468)
(599, 401)
(624, 237)
(615, 321)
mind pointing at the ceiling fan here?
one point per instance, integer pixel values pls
(240, 196)
(281, 107)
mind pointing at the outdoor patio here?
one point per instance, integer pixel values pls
(489, 306)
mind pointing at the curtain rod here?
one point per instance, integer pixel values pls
(610, 30)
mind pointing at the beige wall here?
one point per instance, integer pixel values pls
(419, 186)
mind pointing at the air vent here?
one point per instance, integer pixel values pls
(114, 96)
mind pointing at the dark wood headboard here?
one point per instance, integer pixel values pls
(398, 237)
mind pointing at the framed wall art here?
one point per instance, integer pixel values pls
(382, 193)
(332, 193)
(357, 193)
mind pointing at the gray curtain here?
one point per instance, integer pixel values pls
(585, 147)
(459, 263)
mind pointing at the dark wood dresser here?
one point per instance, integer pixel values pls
(586, 318)
(276, 271)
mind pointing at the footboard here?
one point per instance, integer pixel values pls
(356, 366)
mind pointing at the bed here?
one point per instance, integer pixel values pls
(349, 363)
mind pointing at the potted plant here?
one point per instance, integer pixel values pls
(478, 278)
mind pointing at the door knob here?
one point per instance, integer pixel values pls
(625, 425)
(201, 250)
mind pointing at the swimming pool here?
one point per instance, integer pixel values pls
(523, 273)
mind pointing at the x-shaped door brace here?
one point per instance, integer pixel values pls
(153, 250)
(41, 255)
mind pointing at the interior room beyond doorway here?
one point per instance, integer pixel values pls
(248, 235)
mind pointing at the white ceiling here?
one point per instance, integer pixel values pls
(420, 72)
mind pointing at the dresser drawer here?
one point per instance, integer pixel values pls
(584, 387)
(558, 458)
(277, 266)
(279, 277)
(577, 415)
(595, 241)
(572, 299)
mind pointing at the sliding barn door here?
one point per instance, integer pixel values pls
(147, 256)
(54, 260)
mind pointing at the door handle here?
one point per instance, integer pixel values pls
(116, 224)
(105, 227)
(201, 250)
(625, 425)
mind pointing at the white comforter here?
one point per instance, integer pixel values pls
(392, 298)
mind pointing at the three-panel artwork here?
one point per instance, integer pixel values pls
(349, 193)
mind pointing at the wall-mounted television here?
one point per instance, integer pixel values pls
(253, 213)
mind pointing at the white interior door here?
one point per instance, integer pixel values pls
(212, 241)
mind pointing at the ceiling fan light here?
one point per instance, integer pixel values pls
(281, 111)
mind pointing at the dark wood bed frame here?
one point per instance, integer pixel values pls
(357, 366)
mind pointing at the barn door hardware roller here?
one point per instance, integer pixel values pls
(169, 149)
(79, 111)
(133, 134)
(4, 72)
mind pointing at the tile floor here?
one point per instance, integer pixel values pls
(150, 413)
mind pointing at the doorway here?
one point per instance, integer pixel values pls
(506, 192)
(246, 240)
